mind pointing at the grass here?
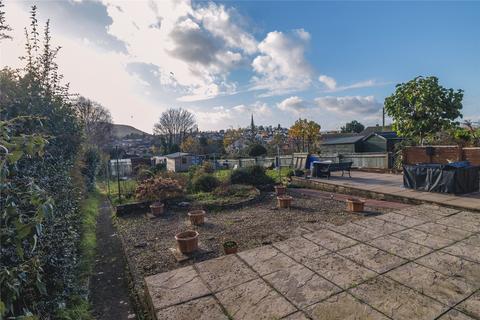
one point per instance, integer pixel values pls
(223, 175)
(110, 189)
(78, 307)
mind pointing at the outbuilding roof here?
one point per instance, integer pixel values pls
(176, 155)
(343, 140)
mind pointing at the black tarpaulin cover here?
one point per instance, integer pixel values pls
(457, 178)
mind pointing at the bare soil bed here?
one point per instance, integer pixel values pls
(147, 241)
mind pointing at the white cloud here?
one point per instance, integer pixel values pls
(295, 105)
(281, 65)
(196, 47)
(358, 105)
(331, 84)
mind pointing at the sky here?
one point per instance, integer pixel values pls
(328, 61)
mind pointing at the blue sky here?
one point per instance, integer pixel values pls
(329, 61)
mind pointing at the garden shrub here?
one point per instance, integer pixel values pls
(158, 189)
(207, 167)
(254, 175)
(257, 150)
(205, 183)
(92, 164)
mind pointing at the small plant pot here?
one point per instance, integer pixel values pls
(187, 241)
(230, 247)
(284, 201)
(157, 208)
(280, 190)
(197, 217)
(355, 205)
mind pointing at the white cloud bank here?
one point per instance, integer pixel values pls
(331, 85)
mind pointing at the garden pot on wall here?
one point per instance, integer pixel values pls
(284, 201)
(280, 190)
(230, 247)
(197, 217)
(187, 241)
(355, 205)
(157, 208)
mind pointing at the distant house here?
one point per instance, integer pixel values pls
(179, 161)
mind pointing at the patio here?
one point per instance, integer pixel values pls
(419, 262)
(390, 187)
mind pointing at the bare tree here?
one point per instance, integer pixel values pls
(96, 121)
(175, 125)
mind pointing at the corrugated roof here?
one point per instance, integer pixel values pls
(343, 140)
(176, 154)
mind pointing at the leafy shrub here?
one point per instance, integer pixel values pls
(254, 175)
(205, 183)
(207, 167)
(92, 164)
(158, 189)
(257, 150)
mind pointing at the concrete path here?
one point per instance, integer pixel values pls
(389, 187)
(420, 262)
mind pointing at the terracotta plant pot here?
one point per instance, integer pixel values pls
(197, 217)
(157, 208)
(187, 241)
(355, 205)
(230, 247)
(284, 201)
(280, 190)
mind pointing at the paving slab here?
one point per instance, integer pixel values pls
(173, 287)
(340, 270)
(446, 289)
(444, 231)
(400, 219)
(296, 316)
(224, 272)
(301, 249)
(455, 315)
(397, 301)
(357, 232)
(399, 247)
(423, 212)
(343, 306)
(464, 203)
(330, 239)
(254, 300)
(381, 227)
(205, 308)
(462, 221)
(301, 286)
(267, 259)
(464, 250)
(471, 305)
(372, 258)
(423, 238)
(473, 240)
(452, 266)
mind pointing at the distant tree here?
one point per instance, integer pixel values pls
(352, 127)
(231, 135)
(304, 134)
(422, 107)
(4, 27)
(191, 145)
(257, 150)
(175, 125)
(96, 121)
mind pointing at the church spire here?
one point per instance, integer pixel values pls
(252, 124)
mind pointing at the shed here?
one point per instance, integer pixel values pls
(179, 161)
(341, 145)
(380, 142)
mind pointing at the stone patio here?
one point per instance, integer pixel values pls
(420, 262)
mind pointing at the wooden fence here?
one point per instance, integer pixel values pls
(440, 154)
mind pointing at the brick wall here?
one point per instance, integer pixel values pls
(441, 154)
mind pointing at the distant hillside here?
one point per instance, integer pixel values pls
(122, 130)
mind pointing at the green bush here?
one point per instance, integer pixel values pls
(254, 175)
(92, 164)
(257, 150)
(205, 183)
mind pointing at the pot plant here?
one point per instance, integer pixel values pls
(187, 241)
(197, 217)
(280, 190)
(284, 201)
(230, 247)
(355, 205)
(158, 189)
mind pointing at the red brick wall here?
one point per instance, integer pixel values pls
(441, 154)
